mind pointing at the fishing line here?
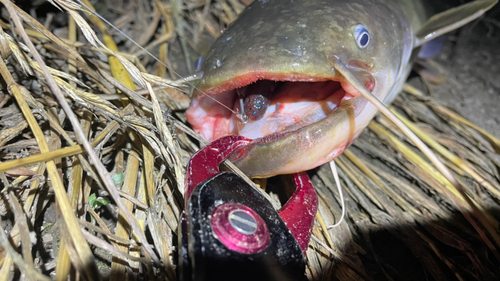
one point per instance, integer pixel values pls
(335, 173)
(238, 115)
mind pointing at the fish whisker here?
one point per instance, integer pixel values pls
(344, 71)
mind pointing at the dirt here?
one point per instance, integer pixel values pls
(471, 60)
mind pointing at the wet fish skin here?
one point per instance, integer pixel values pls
(295, 37)
(296, 41)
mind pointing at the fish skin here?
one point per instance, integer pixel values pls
(295, 37)
(295, 41)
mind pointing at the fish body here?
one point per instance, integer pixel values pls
(276, 64)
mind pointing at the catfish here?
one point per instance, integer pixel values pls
(282, 75)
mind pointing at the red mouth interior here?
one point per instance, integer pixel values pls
(291, 105)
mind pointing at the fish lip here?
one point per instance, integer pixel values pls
(250, 77)
(256, 75)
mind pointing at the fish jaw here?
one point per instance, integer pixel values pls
(307, 147)
(310, 121)
(298, 100)
(294, 41)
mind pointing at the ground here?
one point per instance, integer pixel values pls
(472, 63)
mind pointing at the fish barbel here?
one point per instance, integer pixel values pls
(288, 66)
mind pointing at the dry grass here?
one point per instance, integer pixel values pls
(93, 149)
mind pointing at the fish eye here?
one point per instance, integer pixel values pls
(362, 36)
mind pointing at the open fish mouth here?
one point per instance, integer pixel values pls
(269, 106)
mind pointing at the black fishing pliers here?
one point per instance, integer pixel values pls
(229, 231)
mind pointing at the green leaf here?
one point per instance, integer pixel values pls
(97, 202)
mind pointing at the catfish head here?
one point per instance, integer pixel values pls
(282, 72)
